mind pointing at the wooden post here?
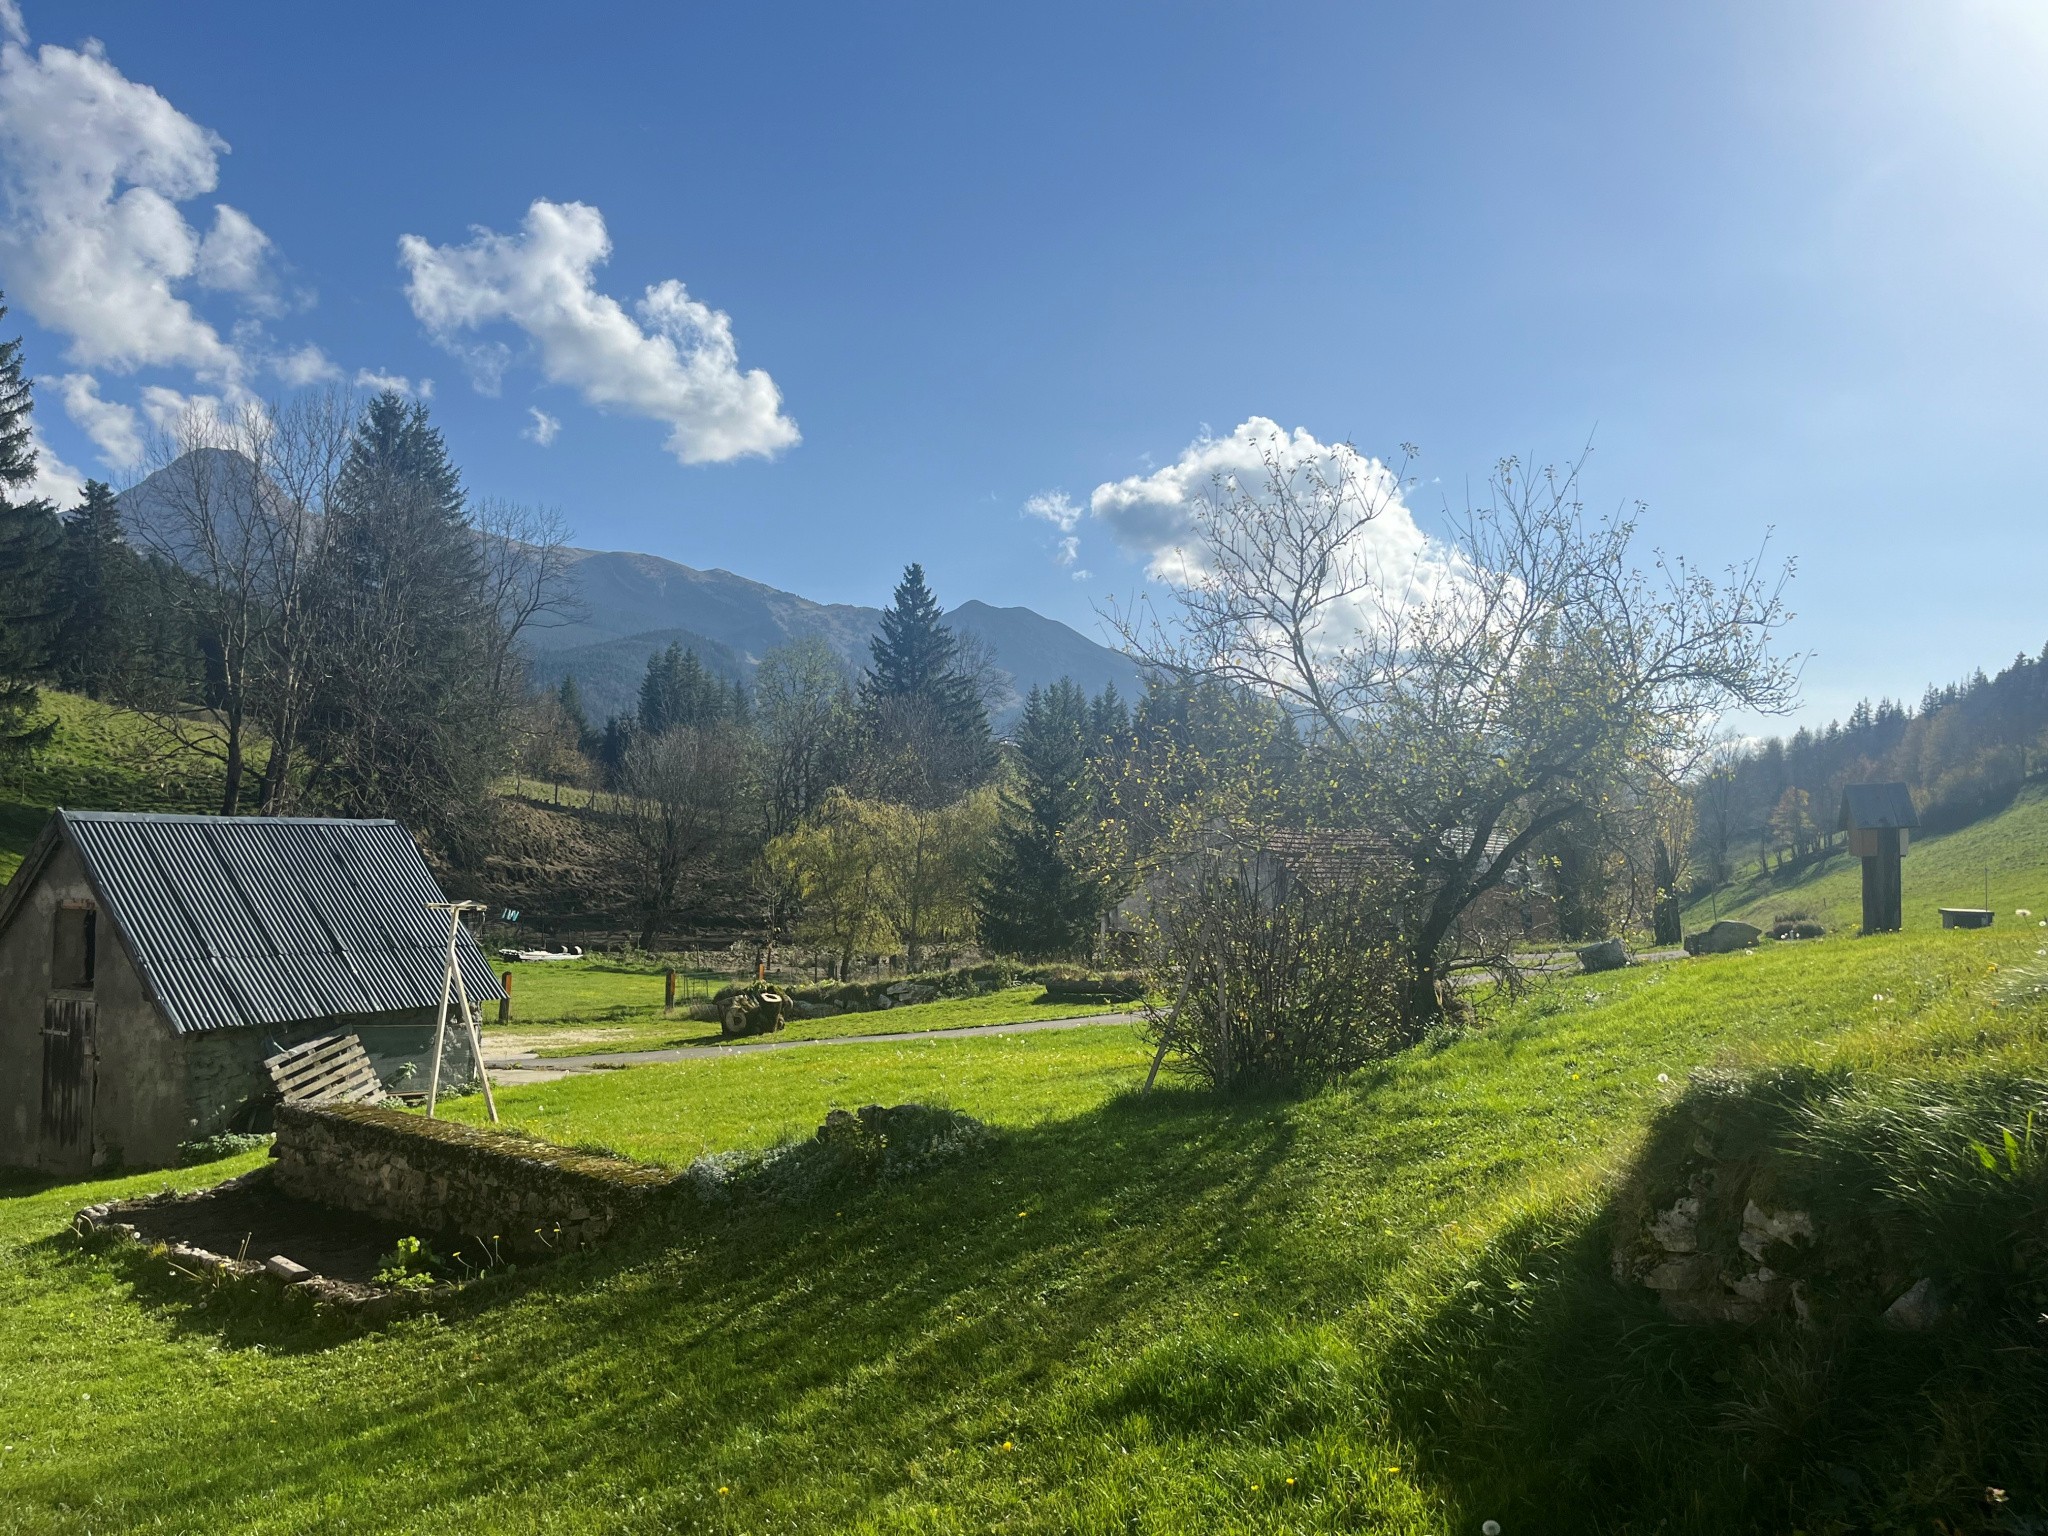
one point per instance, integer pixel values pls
(505, 1002)
(668, 994)
(1883, 893)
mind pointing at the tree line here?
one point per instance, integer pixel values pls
(1346, 783)
(1964, 752)
(301, 592)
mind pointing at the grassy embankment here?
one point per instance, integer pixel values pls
(102, 759)
(1385, 1307)
(1949, 870)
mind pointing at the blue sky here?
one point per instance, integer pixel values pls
(878, 279)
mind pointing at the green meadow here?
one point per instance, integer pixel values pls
(1385, 1307)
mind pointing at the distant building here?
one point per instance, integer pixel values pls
(149, 964)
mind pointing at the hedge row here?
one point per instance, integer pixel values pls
(1062, 983)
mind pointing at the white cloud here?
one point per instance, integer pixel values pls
(93, 166)
(544, 428)
(112, 426)
(235, 255)
(1055, 508)
(171, 411)
(11, 27)
(55, 481)
(307, 365)
(394, 383)
(1070, 549)
(677, 363)
(1153, 515)
(1388, 562)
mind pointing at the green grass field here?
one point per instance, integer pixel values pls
(601, 1005)
(1950, 870)
(676, 1112)
(1383, 1308)
(101, 759)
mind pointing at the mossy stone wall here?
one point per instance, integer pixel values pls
(525, 1196)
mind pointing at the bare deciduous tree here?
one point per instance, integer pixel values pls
(683, 802)
(235, 513)
(1474, 693)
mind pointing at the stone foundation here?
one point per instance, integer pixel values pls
(515, 1195)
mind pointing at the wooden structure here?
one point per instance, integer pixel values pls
(1879, 819)
(328, 1069)
(452, 985)
(151, 966)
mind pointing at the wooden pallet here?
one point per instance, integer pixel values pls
(334, 1069)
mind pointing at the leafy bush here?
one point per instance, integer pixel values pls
(1274, 984)
(211, 1149)
(1062, 983)
(410, 1266)
(877, 1144)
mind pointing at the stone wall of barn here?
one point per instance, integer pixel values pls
(227, 1088)
(137, 1111)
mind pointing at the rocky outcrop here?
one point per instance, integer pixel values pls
(1724, 938)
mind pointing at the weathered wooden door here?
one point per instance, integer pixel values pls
(68, 1069)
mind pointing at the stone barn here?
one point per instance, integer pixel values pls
(149, 964)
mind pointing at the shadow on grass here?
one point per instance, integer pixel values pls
(1552, 1396)
(863, 1331)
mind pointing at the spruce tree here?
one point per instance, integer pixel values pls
(99, 591)
(1035, 903)
(680, 691)
(30, 535)
(404, 723)
(926, 727)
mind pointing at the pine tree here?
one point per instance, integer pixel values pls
(570, 697)
(680, 691)
(1035, 903)
(922, 711)
(404, 726)
(1109, 721)
(29, 546)
(98, 639)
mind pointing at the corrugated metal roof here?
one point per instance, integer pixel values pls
(1876, 805)
(239, 920)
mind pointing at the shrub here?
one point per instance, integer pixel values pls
(1274, 984)
(211, 1149)
(1062, 983)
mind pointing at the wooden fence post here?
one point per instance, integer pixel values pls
(505, 1002)
(668, 1000)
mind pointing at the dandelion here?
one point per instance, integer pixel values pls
(1290, 1481)
(1663, 1077)
(1022, 1214)
(2022, 912)
(1575, 1077)
(723, 1491)
(1008, 1446)
(1491, 1528)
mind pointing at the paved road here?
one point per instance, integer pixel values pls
(608, 1059)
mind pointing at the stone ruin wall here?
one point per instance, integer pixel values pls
(525, 1197)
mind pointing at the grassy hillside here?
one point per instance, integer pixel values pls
(1945, 871)
(101, 759)
(1384, 1308)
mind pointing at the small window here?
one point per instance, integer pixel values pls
(72, 953)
